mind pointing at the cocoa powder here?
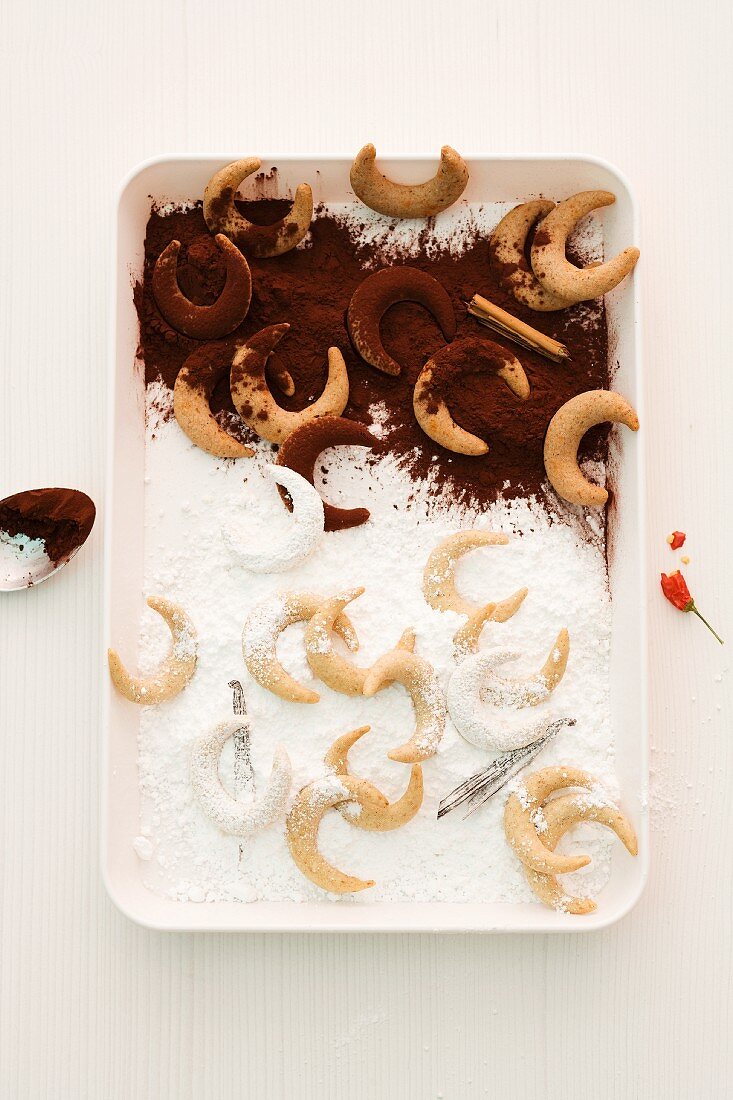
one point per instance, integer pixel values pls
(61, 518)
(310, 287)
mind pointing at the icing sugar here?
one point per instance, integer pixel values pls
(189, 497)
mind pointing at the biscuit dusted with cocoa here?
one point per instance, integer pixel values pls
(301, 450)
(386, 288)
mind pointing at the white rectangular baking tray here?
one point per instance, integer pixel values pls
(493, 179)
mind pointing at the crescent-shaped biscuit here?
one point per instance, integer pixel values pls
(418, 677)
(222, 216)
(414, 200)
(173, 673)
(192, 391)
(382, 289)
(560, 814)
(506, 249)
(203, 322)
(254, 401)
(439, 582)
(475, 678)
(263, 627)
(564, 433)
(550, 264)
(328, 665)
(449, 365)
(300, 452)
(303, 823)
(382, 815)
(466, 638)
(523, 813)
(532, 690)
(231, 816)
(306, 530)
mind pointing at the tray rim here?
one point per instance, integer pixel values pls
(594, 922)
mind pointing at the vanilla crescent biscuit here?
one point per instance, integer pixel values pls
(382, 815)
(303, 823)
(330, 667)
(531, 690)
(174, 671)
(523, 813)
(305, 533)
(475, 678)
(221, 214)
(192, 392)
(560, 814)
(230, 815)
(553, 269)
(252, 397)
(439, 584)
(566, 429)
(506, 249)
(262, 629)
(414, 200)
(466, 638)
(419, 678)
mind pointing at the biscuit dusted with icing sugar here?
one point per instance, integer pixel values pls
(561, 814)
(382, 815)
(522, 813)
(173, 673)
(262, 629)
(419, 678)
(304, 821)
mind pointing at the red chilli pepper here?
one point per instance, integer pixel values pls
(674, 587)
(677, 539)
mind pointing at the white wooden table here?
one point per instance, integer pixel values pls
(93, 1006)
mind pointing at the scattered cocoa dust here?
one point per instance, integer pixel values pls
(310, 287)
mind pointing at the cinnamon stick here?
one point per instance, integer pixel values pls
(513, 329)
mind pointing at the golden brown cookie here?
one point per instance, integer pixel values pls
(560, 814)
(439, 582)
(381, 815)
(328, 665)
(506, 249)
(303, 823)
(254, 401)
(566, 429)
(174, 671)
(262, 629)
(466, 638)
(408, 200)
(446, 368)
(523, 820)
(192, 392)
(418, 677)
(221, 214)
(553, 269)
